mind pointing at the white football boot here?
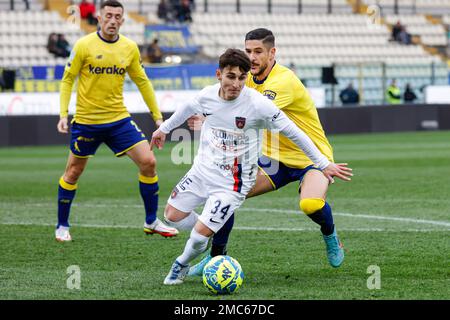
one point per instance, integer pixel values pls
(177, 274)
(62, 234)
(160, 228)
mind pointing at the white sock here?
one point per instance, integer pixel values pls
(186, 223)
(195, 246)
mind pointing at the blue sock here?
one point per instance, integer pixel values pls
(220, 239)
(324, 218)
(148, 186)
(66, 193)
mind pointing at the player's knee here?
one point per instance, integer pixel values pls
(150, 163)
(311, 205)
(147, 166)
(170, 215)
(72, 174)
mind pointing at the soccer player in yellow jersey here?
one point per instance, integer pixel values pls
(100, 61)
(282, 161)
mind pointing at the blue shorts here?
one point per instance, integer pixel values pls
(120, 136)
(280, 174)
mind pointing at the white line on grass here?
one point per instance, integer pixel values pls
(118, 226)
(361, 216)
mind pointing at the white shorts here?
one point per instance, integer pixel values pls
(194, 189)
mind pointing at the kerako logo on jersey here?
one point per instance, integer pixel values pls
(108, 70)
(240, 122)
(271, 95)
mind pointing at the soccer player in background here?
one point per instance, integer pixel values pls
(282, 161)
(225, 167)
(100, 60)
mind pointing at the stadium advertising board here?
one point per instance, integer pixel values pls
(171, 39)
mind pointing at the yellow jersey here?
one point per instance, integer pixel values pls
(101, 66)
(288, 93)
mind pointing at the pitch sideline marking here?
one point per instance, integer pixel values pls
(343, 214)
(118, 226)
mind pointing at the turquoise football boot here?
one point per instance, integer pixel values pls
(335, 249)
(197, 269)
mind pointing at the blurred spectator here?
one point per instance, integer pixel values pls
(154, 52)
(27, 4)
(163, 11)
(2, 81)
(409, 96)
(58, 45)
(293, 67)
(349, 95)
(63, 45)
(51, 43)
(393, 93)
(404, 37)
(87, 12)
(192, 5)
(396, 30)
(184, 12)
(7, 79)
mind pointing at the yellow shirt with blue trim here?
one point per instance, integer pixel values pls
(101, 66)
(288, 93)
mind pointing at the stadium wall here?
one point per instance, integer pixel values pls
(41, 130)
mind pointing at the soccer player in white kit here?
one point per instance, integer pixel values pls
(225, 167)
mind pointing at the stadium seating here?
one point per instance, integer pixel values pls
(433, 7)
(359, 49)
(24, 35)
(308, 38)
(430, 34)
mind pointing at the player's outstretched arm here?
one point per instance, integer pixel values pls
(195, 122)
(339, 170)
(158, 139)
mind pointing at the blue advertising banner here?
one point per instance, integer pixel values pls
(173, 77)
(171, 39)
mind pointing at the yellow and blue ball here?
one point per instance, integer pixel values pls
(223, 275)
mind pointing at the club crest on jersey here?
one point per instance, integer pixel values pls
(174, 192)
(271, 95)
(240, 122)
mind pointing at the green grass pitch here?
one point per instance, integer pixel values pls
(395, 214)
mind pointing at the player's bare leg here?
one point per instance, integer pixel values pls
(179, 219)
(312, 202)
(149, 189)
(66, 193)
(144, 158)
(74, 168)
(262, 185)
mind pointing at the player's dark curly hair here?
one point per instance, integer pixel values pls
(111, 3)
(235, 58)
(265, 35)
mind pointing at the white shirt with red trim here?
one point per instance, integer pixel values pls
(230, 140)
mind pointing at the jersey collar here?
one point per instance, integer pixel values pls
(107, 41)
(262, 80)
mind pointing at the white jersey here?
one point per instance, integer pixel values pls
(230, 139)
